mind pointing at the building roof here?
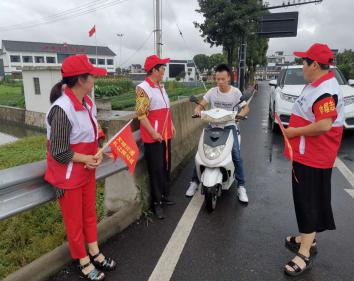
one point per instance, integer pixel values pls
(64, 48)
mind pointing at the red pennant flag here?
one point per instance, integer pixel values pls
(101, 134)
(92, 31)
(124, 146)
(286, 140)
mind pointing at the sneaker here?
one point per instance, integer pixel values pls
(167, 202)
(242, 194)
(192, 189)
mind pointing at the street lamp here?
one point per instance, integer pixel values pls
(120, 35)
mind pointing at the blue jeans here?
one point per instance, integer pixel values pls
(236, 158)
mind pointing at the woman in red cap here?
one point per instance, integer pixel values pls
(156, 127)
(315, 132)
(73, 134)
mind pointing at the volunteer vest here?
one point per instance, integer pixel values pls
(159, 115)
(318, 151)
(83, 139)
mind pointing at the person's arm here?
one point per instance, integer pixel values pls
(245, 110)
(325, 113)
(142, 108)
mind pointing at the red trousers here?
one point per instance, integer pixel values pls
(78, 207)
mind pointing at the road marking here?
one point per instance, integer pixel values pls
(170, 256)
(350, 192)
(345, 171)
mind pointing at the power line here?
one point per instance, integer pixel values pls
(181, 34)
(68, 15)
(138, 50)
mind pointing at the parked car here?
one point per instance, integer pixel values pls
(287, 88)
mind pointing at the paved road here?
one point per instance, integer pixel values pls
(237, 242)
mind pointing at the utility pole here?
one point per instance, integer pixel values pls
(158, 29)
(120, 35)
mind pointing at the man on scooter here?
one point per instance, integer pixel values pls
(226, 97)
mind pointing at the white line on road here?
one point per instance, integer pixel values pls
(350, 192)
(170, 256)
(345, 171)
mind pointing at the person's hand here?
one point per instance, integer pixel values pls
(109, 155)
(98, 158)
(156, 136)
(174, 132)
(197, 111)
(290, 132)
(91, 162)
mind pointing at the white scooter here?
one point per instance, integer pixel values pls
(215, 168)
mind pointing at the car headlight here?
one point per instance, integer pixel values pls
(213, 152)
(348, 100)
(288, 98)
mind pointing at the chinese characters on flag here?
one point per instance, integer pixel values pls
(124, 146)
(92, 31)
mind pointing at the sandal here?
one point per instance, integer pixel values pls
(296, 268)
(107, 264)
(294, 246)
(94, 274)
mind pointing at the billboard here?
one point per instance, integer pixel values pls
(279, 25)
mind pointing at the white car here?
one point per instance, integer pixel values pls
(287, 88)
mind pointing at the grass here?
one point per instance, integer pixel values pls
(31, 234)
(11, 95)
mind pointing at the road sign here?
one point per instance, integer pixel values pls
(279, 25)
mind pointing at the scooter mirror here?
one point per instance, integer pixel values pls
(193, 99)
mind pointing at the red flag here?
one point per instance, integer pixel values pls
(286, 140)
(92, 31)
(101, 134)
(124, 146)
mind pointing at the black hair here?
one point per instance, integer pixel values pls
(70, 81)
(322, 66)
(223, 67)
(157, 67)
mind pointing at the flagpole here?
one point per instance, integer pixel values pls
(100, 151)
(96, 47)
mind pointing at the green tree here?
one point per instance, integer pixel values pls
(216, 59)
(345, 62)
(226, 22)
(202, 62)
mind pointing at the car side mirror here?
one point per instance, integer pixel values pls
(273, 83)
(351, 82)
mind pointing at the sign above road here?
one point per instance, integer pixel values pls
(279, 25)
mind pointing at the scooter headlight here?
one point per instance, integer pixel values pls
(213, 152)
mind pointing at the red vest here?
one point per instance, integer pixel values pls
(83, 139)
(159, 115)
(318, 151)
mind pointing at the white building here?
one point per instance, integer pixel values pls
(37, 83)
(19, 54)
(175, 67)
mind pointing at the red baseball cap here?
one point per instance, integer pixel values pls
(152, 61)
(318, 52)
(80, 64)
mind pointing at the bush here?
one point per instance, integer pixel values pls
(107, 91)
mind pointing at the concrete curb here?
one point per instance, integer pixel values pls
(52, 262)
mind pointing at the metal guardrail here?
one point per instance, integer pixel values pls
(23, 187)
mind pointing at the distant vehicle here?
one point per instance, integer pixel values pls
(287, 88)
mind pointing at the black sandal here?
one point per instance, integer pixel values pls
(94, 274)
(294, 246)
(107, 264)
(297, 269)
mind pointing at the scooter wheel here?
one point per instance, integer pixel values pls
(210, 200)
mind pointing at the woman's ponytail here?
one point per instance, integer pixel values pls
(56, 91)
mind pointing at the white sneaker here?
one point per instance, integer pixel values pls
(192, 189)
(242, 194)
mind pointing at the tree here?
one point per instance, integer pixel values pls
(216, 59)
(202, 62)
(345, 62)
(226, 22)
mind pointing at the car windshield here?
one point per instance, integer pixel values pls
(295, 76)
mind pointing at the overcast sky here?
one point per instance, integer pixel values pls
(330, 22)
